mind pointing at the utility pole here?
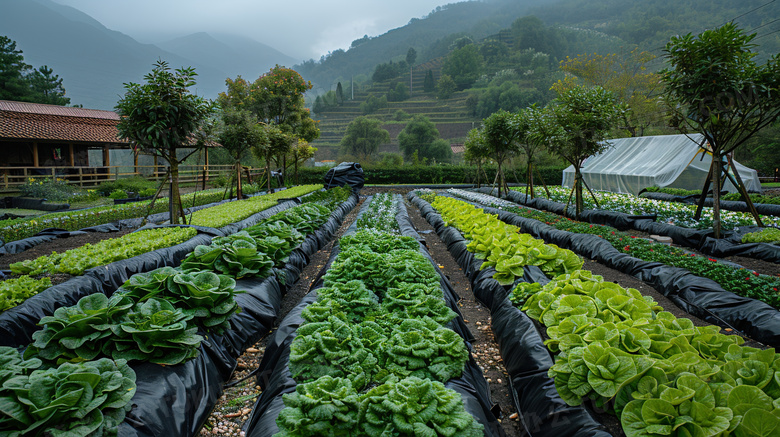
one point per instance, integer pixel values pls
(352, 86)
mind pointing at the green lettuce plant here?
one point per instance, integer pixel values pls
(325, 407)
(208, 296)
(14, 291)
(331, 348)
(236, 255)
(422, 348)
(88, 398)
(416, 407)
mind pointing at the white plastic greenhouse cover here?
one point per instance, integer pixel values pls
(674, 161)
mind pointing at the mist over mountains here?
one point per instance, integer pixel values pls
(95, 61)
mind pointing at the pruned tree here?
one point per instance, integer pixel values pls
(239, 132)
(535, 122)
(716, 88)
(276, 99)
(502, 134)
(162, 116)
(476, 151)
(300, 151)
(581, 119)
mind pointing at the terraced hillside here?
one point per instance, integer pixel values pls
(451, 116)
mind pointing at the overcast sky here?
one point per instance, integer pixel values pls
(302, 29)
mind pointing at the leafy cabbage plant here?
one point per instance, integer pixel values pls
(209, 297)
(236, 255)
(325, 407)
(416, 407)
(99, 326)
(88, 398)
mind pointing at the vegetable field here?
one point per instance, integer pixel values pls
(415, 313)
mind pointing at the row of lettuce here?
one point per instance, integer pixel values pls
(374, 350)
(617, 349)
(19, 228)
(678, 214)
(738, 280)
(74, 378)
(76, 261)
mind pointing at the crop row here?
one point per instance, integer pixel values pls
(661, 375)
(738, 280)
(373, 351)
(157, 317)
(501, 245)
(677, 214)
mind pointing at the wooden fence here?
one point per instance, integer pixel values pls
(13, 177)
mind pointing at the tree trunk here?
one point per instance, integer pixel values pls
(239, 191)
(500, 180)
(717, 170)
(175, 198)
(578, 192)
(531, 177)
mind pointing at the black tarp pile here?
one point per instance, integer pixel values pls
(701, 240)
(542, 411)
(276, 380)
(176, 400)
(346, 173)
(701, 297)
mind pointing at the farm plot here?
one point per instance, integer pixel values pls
(182, 318)
(592, 326)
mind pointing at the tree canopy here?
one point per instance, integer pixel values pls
(717, 89)
(463, 65)
(21, 82)
(363, 137)
(161, 116)
(419, 136)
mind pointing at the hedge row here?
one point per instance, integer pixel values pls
(450, 174)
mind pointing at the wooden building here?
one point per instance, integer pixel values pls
(37, 139)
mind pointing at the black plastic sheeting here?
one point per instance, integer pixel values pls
(346, 173)
(542, 411)
(731, 205)
(275, 379)
(701, 240)
(701, 297)
(190, 391)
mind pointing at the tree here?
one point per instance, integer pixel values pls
(440, 151)
(718, 90)
(628, 80)
(162, 116)
(446, 87)
(46, 87)
(411, 56)
(298, 154)
(363, 137)
(476, 151)
(428, 83)
(463, 65)
(238, 134)
(581, 118)
(399, 93)
(502, 133)
(418, 136)
(13, 85)
(275, 98)
(537, 122)
(339, 94)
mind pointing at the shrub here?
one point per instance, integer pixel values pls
(50, 189)
(134, 184)
(118, 194)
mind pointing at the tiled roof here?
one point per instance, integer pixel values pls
(457, 148)
(20, 120)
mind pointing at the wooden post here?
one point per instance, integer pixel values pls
(70, 153)
(135, 161)
(743, 191)
(106, 157)
(35, 156)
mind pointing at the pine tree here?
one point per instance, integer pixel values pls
(13, 85)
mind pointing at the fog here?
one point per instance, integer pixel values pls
(303, 29)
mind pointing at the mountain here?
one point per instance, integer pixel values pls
(94, 61)
(429, 36)
(233, 54)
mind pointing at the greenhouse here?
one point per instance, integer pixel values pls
(674, 161)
